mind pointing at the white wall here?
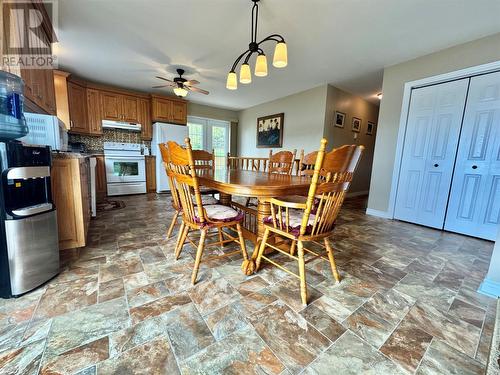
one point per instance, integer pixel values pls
(470, 54)
(303, 126)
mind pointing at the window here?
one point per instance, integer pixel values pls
(206, 134)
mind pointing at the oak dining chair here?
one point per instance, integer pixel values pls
(195, 215)
(314, 219)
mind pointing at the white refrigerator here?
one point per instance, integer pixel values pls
(163, 133)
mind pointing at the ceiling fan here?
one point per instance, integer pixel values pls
(181, 85)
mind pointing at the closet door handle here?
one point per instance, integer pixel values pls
(474, 167)
(436, 165)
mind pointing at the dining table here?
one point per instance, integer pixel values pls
(258, 184)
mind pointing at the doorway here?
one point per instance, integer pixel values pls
(210, 135)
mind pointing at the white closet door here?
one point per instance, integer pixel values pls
(429, 152)
(474, 207)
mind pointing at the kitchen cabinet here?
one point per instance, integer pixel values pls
(77, 101)
(100, 176)
(94, 116)
(150, 174)
(39, 90)
(118, 107)
(70, 193)
(61, 89)
(145, 119)
(169, 110)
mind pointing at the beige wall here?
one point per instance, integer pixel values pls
(352, 106)
(470, 54)
(303, 127)
(216, 113)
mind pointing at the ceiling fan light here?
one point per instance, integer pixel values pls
(261, 66)
(180, 91)
(232, 81)
(245, 74)
(280, 59)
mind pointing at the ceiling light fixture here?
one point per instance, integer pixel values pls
(280, 59)
(180, 91)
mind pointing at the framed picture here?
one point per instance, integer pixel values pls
(339, 119)
(270, 131)
(356, 124)
(371, 128)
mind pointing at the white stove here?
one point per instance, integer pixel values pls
(125, 168)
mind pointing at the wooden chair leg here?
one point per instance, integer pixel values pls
(302, 273)
(199, 253)
(221, 238)
(292, 247)
(333, 265)
(261, 249)
(242, 242)
(172, 224)
(179, 236)
(182, 239)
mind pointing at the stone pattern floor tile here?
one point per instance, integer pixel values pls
(407, 302)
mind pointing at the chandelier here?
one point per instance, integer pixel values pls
(280, 59)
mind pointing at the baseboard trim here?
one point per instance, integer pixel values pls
(378, 213)
(489, 288)
(357, 193)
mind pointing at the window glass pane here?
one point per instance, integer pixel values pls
(195, 132)
(219, 144)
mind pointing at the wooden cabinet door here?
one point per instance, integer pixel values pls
(162, 110)
(77, 98)
(130, 108)
(100, 178)
(111, 105)
(49, 92)
(179, 112)
(150, 174)
(145, 119)
(94, 112)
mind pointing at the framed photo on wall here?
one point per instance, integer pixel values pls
(356, 124)
(270, 131)
(339, 119)
(370, 130)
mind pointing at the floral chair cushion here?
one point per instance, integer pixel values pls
(295, 221)
(207, 199)
(219, 212)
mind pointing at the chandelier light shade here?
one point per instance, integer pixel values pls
(181, 92)
(261, 65)
(232, 81)
(245, 74)
(280, 58)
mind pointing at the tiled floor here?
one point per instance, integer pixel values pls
(406, 304)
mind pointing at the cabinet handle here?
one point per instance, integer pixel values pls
(436, 165)
(474, 167)
(70, 123)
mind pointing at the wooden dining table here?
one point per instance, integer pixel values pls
(261, 185)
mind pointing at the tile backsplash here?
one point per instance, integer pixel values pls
(108, 135)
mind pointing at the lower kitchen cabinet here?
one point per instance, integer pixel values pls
(151, 174)
(70, 192)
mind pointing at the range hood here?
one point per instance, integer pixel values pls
(107, 124)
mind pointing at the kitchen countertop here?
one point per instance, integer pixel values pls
(73, 155)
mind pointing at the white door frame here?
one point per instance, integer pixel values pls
(459, 74)
(215, 119)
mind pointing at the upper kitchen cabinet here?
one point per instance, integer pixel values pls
(94, 115)
(145, 119)
(169, 110)
(118, 107)
(77, 101)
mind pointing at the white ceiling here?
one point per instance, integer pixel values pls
(343, 42)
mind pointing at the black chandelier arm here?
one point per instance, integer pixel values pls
(238, 60)
(255, 20)
(248, 57)
(276, 37)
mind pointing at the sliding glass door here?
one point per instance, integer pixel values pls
(208, 135)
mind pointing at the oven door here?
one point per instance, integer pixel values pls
(122, 169)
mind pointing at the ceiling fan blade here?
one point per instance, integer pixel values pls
(159, 87)
(191, 82)
(164, 79)
(197, 89)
